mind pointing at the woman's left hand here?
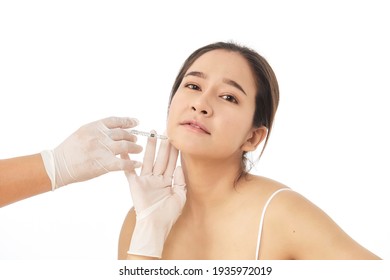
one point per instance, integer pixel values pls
(158, 194)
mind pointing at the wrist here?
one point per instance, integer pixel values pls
(148, 239)
(62, 168)
(48, 162)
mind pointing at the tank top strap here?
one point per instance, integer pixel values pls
(262, 219)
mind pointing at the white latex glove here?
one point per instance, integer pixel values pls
(91, 151)
(158, 194)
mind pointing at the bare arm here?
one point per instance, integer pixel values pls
(311, 234)
(87, 153)
(22, 177)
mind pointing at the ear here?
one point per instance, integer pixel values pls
(255, 137)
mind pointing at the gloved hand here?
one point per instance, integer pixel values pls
(91, 151)
(158, 194)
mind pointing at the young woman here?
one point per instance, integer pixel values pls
(222, 106)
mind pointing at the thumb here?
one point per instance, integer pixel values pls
(179, 185)
(178, 178)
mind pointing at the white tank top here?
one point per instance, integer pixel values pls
(262, 219)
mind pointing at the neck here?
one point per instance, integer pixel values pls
(209, 183)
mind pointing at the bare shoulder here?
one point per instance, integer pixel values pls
(261, 186)
(125, 234)
(295, 228)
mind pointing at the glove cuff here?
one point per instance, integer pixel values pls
(48, 162)
(147, 239)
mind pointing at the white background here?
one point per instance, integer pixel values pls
(67, 63)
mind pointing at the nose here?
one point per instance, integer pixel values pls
(202, 106)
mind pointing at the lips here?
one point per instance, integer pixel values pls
(196, 126)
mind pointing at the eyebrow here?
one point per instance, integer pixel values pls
(226, 81)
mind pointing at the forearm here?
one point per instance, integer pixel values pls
(22, 177)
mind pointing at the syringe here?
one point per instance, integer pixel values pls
(148, 134)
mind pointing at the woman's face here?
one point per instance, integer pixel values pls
(212, 111)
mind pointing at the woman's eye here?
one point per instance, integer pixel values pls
(230, 98)
(192, 86)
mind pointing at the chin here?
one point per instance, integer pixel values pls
(174, 143)
(186, 146)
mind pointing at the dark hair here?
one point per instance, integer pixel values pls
(267, 93)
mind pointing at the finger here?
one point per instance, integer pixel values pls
(149, 155)
(118, 122)
(173, 155)
(117, 134)
(162, 158)
(124, 147)
(126, 164)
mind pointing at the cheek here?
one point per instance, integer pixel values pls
(236, 127)
(236, 121)
(170, 122)
(173, 116)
